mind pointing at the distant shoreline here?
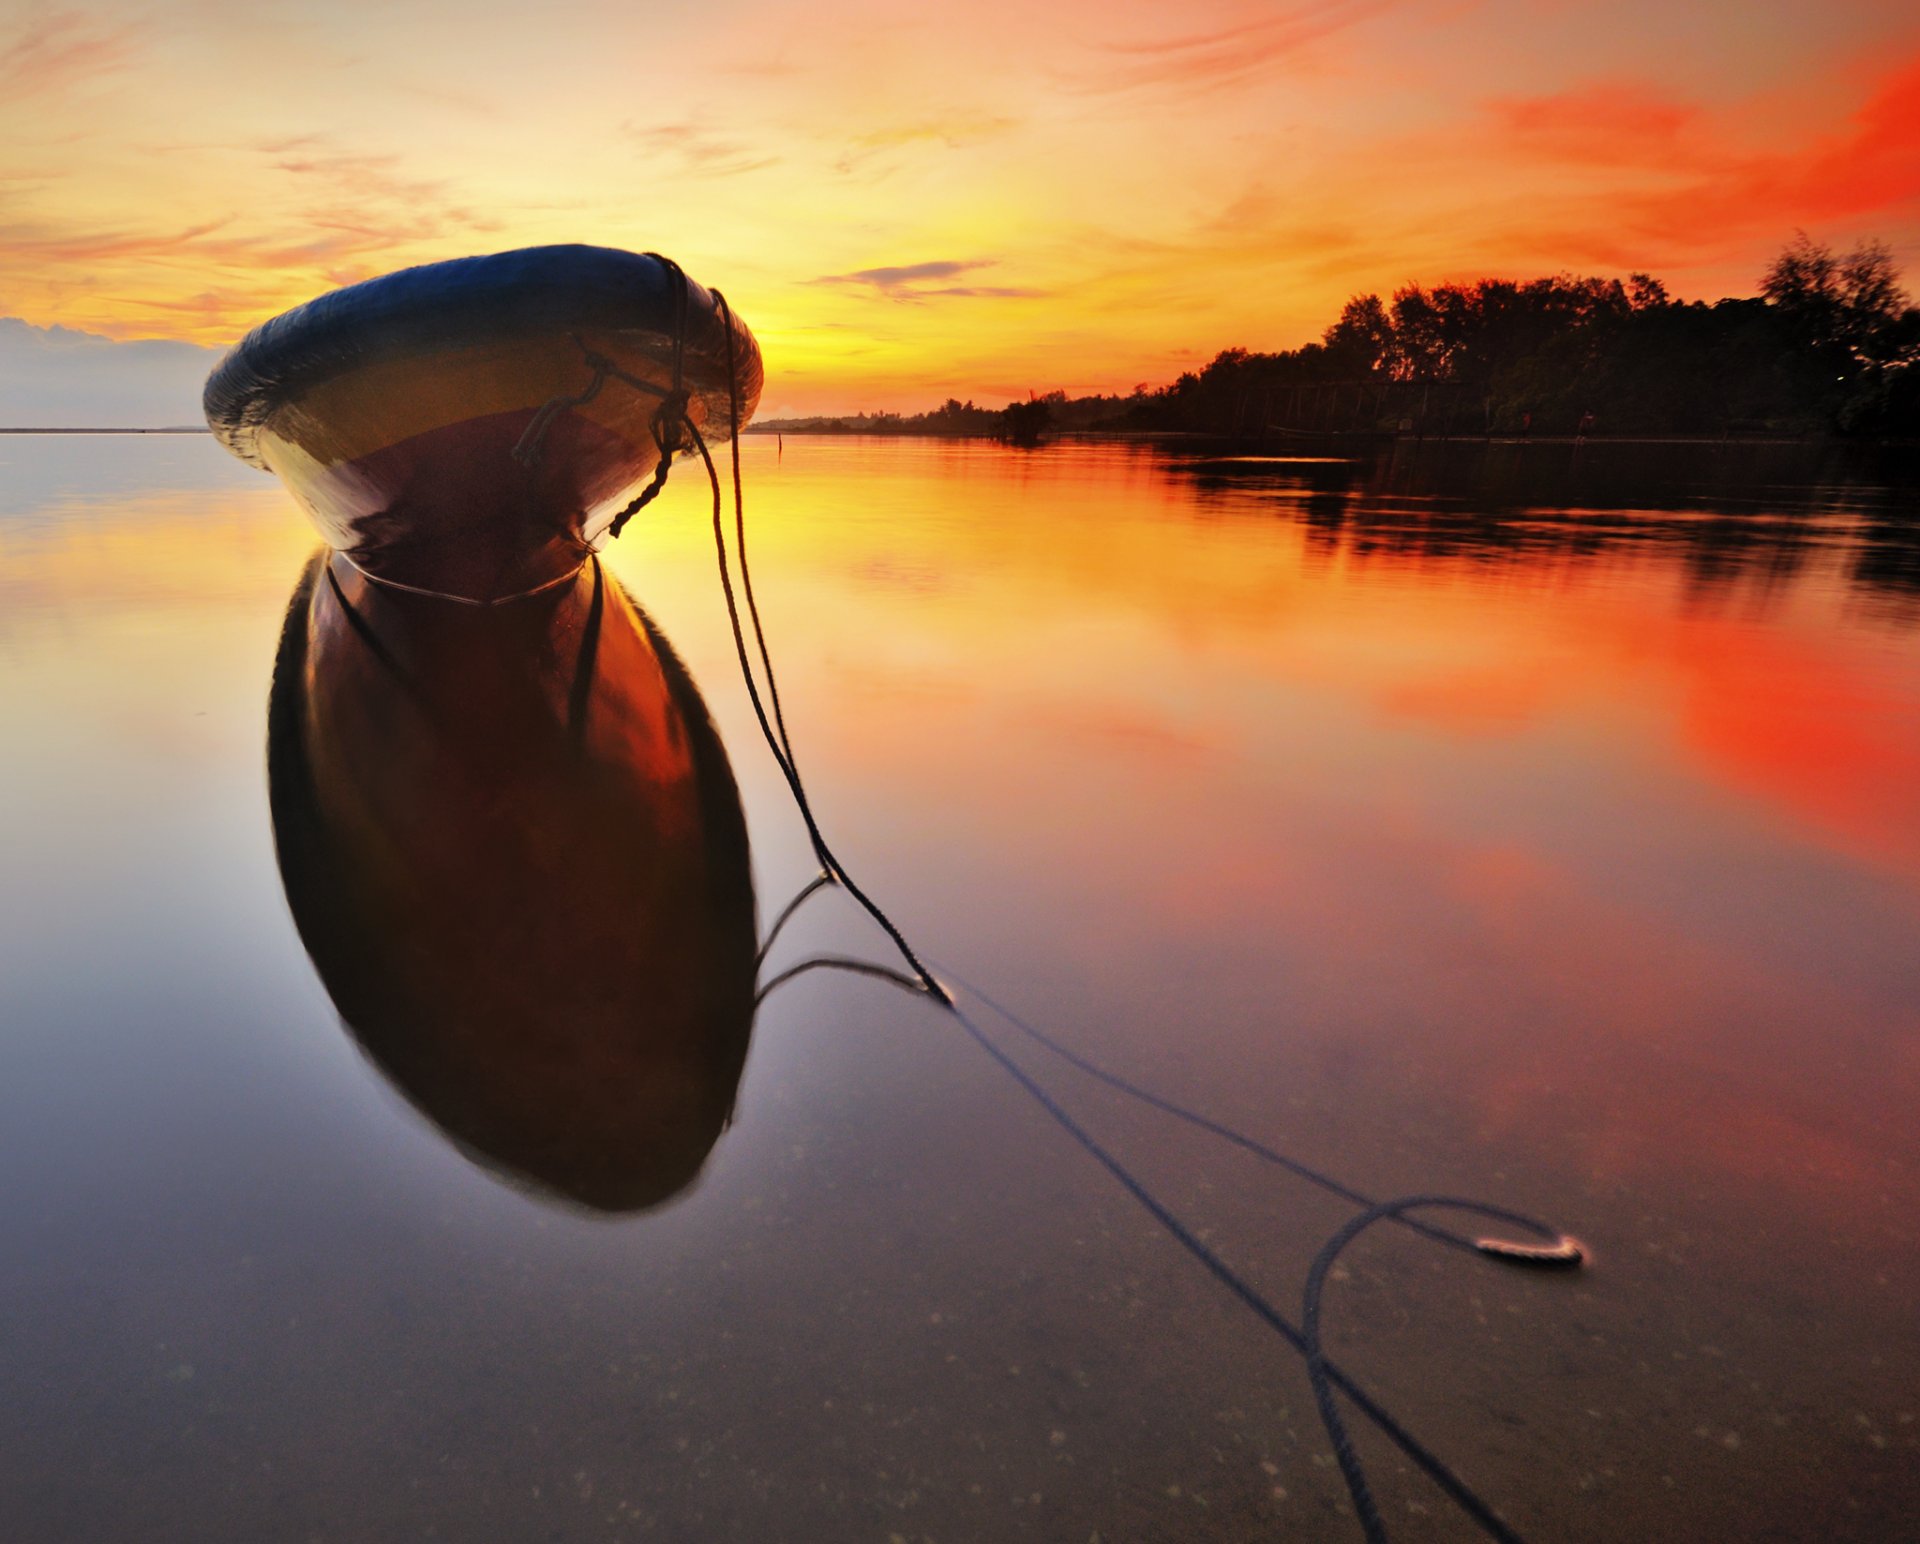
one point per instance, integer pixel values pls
(1353, 438)
(1274, 440)
(182, 429)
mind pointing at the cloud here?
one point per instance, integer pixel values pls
(289, 144)
(58, 377)
(242, 273)
(345, 191)
(41, 244)
(912, 273)
(1603, 122)
(1697, 189)
(54, 53)
(698, 150)
(959, 132)
(1870, 164)
(1604, 174)
(329, 217)
(1203, 60)
(316, 240)
(913, 281)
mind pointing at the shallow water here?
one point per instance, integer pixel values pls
(1528, 825)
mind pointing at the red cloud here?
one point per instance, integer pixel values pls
(1682, 183)
(1871, 164)
(1605, 122)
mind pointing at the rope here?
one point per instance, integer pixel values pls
(672, 429)
(1561, 1250)
(812, 887)
(670, 417)
(1324, 1376)
(740, 546)
(844, 962)
(1321, 1372)
(777, 739)
(527, 451)
(669, 420)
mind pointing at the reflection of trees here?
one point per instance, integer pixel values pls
(1887, 559)
(1756, 516)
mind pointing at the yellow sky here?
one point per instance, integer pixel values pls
(907, 204)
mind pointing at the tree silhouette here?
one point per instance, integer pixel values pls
(1024, 423)
(1831, 344)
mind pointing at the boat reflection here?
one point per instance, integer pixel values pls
(513, 846)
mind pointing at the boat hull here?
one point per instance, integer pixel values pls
(398, 411)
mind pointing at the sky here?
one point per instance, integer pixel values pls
(908, 204)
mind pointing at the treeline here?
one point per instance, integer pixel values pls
(1831, 345)
(1018, 422)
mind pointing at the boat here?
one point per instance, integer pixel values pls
(474, 428)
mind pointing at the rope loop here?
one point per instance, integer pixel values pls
(527, 450)
(670, 424)
(672, 429)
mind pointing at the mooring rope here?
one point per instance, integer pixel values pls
(1323, 1375)
(673, 429)
(669, 418)
(775, 733)
(1561, 1250)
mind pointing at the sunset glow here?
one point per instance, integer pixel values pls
(975, 203)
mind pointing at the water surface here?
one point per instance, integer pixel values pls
(1502, 823)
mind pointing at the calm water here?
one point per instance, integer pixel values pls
(1542, 832)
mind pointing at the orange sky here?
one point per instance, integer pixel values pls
(975, 202)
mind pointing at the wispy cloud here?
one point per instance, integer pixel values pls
(41, 243)
(309, 213)
(921, 281)
(698, 149)
(1204, 60)
(289, 144)
(371, 196)
(260, 268)
(957, 132)
(54, 53)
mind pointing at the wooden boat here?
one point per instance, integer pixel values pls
(514, 848)
(471, 428)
